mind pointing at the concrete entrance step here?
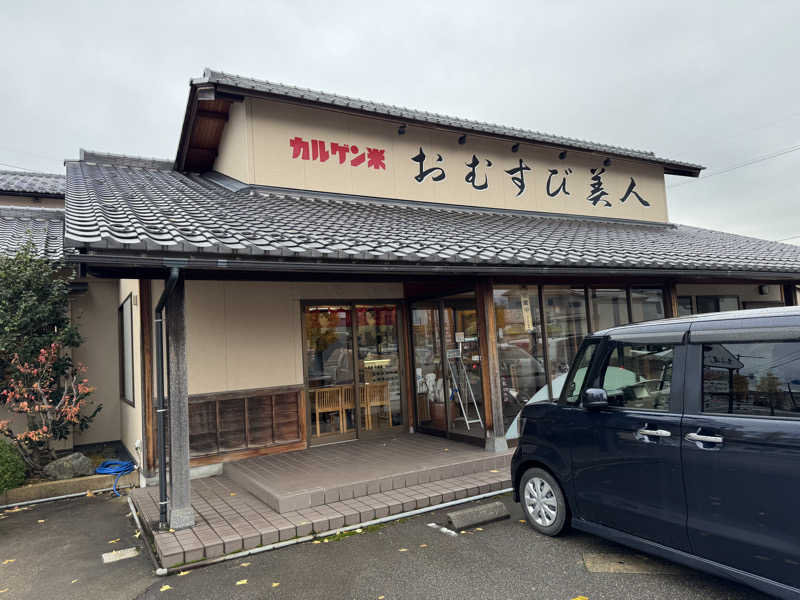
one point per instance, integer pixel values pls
(228, 519)
(354, 479)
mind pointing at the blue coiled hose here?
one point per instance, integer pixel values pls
(115, 467)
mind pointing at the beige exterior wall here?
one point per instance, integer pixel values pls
(745, 292)
(30, 202)
(255, 149)
(131, 416)
(95, 314)
(244, 335)
(234, 157)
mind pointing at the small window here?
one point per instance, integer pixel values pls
(754, 379)
(685, 306)
(578, 373)
(638, 376)
(711, 304)
(126, 351)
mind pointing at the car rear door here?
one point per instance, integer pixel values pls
(741, 451)
(626, 458)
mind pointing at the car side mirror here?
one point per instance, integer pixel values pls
(595, 399)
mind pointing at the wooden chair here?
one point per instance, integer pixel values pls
(328, 400)
(348, 403)
(375, 395)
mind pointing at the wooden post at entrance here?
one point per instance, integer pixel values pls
(671, 300)
(181, 513)
(490, 366)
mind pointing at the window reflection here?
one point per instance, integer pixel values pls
(565, 323)
(647, 304)
(752, 379)
(520, 349)
(609, 307)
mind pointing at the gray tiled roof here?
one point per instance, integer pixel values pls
(43, 226)
(120, 207)
(402, 113)
(30, 183)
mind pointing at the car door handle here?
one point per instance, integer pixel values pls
(708, 439)
(654, 432)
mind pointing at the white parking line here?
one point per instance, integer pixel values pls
(116, 555)
(443, 530)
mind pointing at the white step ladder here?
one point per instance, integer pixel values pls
(459, 380)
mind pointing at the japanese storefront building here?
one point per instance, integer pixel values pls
(341, 268)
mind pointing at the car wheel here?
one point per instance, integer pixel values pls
(543, 502)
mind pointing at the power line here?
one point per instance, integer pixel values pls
(747, 163)
(15, 167)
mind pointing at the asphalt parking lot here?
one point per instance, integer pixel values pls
(54, 550)
(409, 559)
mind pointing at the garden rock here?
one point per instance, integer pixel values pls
(74, 465)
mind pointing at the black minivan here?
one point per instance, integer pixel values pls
(680, 438)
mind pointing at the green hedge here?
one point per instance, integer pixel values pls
(12, 469)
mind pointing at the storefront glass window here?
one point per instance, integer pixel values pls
(378, 366)
(565, 324)
(609, 307)
(520, 349)
(647, 304)
(428, 374)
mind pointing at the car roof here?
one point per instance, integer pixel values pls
(734, 325)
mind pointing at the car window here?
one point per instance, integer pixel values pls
(638, 376)
(578, 373)
(759, 378)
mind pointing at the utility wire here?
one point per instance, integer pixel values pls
(15, 167)
(747, 163)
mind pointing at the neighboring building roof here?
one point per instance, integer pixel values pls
(28, 183)
(115, 207)
(270, 88)
(43, 226)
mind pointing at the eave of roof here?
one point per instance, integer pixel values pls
(32, 184)
(244, 86)
(43, 226)
(123, 212)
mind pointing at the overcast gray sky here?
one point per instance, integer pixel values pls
(709, 82)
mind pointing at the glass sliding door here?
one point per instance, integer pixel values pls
(329, 372)
(463, 366)
(378, 366)
(428, 372)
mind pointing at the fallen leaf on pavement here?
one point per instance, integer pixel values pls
(316, 542)
(381, 597)
(137, 534)
(493, 471)
(403, 550)
(40, 521)
(423, 545)
(522, 521)
(113, 541)
(89, 493)
(233, 493)
(182, 573)
(245, 564)
(242, 582)
(8, 561)
(479, 529)
(3, 591)
(164, 588)
(75, 581)
(172, 531)
(276, 584)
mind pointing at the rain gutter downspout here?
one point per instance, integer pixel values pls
(161, 409)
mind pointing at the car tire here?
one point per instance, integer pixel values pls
(543, 502)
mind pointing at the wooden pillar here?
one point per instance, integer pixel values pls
(490, 367)
(180, 514)
(148, 417)
(409, 378)
(671, 299)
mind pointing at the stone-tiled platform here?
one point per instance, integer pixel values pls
(326, 474)
(229, 519)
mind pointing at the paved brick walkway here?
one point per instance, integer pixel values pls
(230, 519)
